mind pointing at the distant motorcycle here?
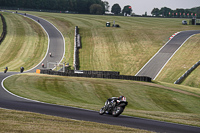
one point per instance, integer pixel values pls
(6, 69)
(114, 106)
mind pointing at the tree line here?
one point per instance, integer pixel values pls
(167, 12)
(78, 6)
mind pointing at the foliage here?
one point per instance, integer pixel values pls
(127, 10)
(80, 6)
(96, 9)
(155, 12)
(167, 12)
(116, 9)
(106, 5)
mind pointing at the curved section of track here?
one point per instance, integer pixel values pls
(56, 43)
(10, 101)
(154, 66)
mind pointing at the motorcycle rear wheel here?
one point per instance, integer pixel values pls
(102, 111)
(117, 111)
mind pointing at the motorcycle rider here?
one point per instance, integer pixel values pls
(114, 106)
(114, 100)
(6, 69)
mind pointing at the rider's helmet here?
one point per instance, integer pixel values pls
(122, 98)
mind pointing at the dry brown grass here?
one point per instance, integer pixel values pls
(17, 121)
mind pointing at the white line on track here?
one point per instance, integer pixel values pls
(172, 56)
(154, 56)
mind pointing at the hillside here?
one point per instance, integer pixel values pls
(125, 49)
(25, 44)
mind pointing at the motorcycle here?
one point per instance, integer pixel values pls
(114, 106)
(6, 69)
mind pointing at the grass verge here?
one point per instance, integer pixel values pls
(18, 121)
(147, 100)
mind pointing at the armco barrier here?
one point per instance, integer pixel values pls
(3, 34)
(96, 74)
(187, 73)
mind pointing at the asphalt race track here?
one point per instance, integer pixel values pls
(10, 101)
(157, 62)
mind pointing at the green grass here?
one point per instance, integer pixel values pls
(34, 123)
(25, 44)
(147, 100)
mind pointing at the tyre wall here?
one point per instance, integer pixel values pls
(3, 34)
(96, 74)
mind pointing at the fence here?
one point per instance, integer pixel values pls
(96, 74)
(3, 34)
(187, 73)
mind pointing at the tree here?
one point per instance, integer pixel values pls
(106, 4)
(155, 12)
(164, 11)
(116, 9)
(127, 10)
(96, 9)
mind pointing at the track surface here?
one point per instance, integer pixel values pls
(157, 62)
(10, 101)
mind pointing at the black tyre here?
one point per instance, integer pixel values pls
(117, 111)
(102, 111)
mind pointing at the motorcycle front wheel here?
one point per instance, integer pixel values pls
(102, 111)
(117, 111)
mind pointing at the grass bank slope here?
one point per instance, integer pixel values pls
(18, 121)
(25, 43)
(148, 100)
(183, 60)
(125, 49)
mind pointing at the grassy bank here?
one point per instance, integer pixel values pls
(148, 100)
(18, 121)
(25, 44)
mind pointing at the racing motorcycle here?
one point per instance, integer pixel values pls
(114, 106)
(6, 69)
